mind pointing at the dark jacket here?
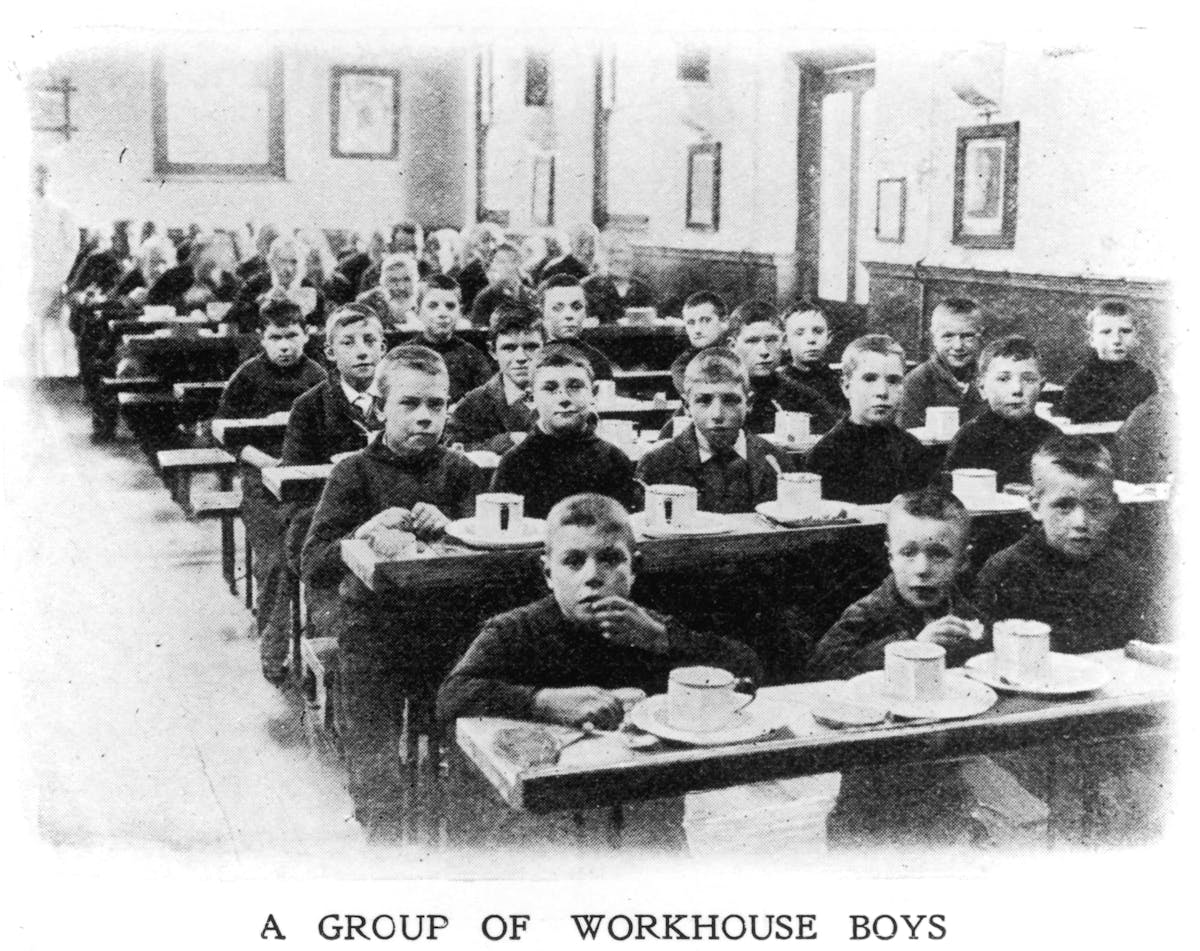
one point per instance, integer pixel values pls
(869, 464)
(377, 301)
(323, 423)
(469, 366)
(472, 280)
(534, 647)
(1100, 392)
(483, 418)
(169, 289)
(932, 383)
(770, 394)
(259, 388)
(822, 379)
(990, 441)
(605, 302)
(1147, 446)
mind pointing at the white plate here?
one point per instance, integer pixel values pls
(802, 444)
(705, 523)
(961, 697)
(1148, 492)
(819, 515)
(464, 530)
(1000, 502)
(925, 435)
(754, 722)
(1068, 675)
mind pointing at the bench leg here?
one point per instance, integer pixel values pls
(249, 556)
(297, 628)
(228, 554)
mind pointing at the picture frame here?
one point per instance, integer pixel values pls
(704, 187)
(542, 191)
(986, 166)
(364, 110)
(891, 209)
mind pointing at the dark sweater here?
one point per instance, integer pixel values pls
(990, 441)
(855, 644)
(472, 281)
(933, 383)
(492, 296)
(604, 301)
(729, 484)
(1100, 392)
(601, 365)
(469, 366)
(822, 379)
(170, 287)
(260, 388)
(869, 464)
(323, 423)
(1147, 446)
(768, 394)
(1090, 605)
(484, 418)
(534, 647)
(546, 469)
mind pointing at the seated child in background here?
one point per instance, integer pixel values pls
(504, 286)
(1111, 383)
(272, 380)
(562, 455)
(614, 288)
(404, 484)
(1004, 436)
(757, 338)
(716, 455)
(486, 416)
(806, 330)
(949, 377)
(866, 458)
(438, 311)
(706, 322)
(564, 309)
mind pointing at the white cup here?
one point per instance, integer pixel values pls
(791, 426)
(797, 490)
(704, 699)
(974, 485)
(606, 390)
(1022, 650)
(618, 431)
(670, 506)
(640, 315)
(216, 309)
(914, 670)
(941, 422)
(500, 513)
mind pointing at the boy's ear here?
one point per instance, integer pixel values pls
(545, 559)
(636, 561)
(329, 352)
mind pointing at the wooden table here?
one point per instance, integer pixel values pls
(266, 433)
(602, 772)
(649, 414)
(296, 483)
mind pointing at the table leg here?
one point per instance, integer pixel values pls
(249, 558)
(228, 544)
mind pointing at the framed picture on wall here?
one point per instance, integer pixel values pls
(364, 112)
(891, 200)
(985, 186)
(704, 187)
(542, 189)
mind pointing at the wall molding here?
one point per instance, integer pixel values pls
(1084, 285)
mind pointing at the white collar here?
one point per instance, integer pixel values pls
(706, 452)
(353, 395)
(512, 392)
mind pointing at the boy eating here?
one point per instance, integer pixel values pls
(948, 377)
(564, 309)
(1111, 384)
(562, 455)
(504, 286)
(866, 458)
(272, 380)
(438, 311)
(806, 330)
(706, 322)
(1004, 436)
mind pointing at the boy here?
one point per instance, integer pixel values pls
(402, 483)
(486, 416)
(1111, 384)
(807, 337)
(564, 309)
(706, 322)
(438, 311)
(614, 288)
(757, 336)
(271, 381)
(866, 458)
(562, 455)
(948, 377)
(504, 285)
(1004, 436)
(715, 454)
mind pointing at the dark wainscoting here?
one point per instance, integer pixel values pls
(676, 273)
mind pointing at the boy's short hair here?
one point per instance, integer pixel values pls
(1081, 456)
(1109, 307)
(959, 307)
(553, 281)
(590, 510)
(870, 343)
(507, 248)
(513, 317)
(408, 356)
(346, 316)
(279, 313)
(712, 298)
(753, 311)
(560, 355)
(1012, 347)
(437, 282)
(715, 365)
(932, 502)
(804, 306)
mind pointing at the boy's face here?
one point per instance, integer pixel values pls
(397, 282)
(284, 346)
(156, 266)
(704, 328)
(807, 337)
(505, 268)
(356, 350)
(514, 352)
(284, 265)
(956, 339)
(1076, 513)
(873, 389)
(583, 565)
(563, 397)
(439, 312)
(563, 312)
(925, 556)
(1113, 338)
(760, 346)
(718, 411)
(414, 412)
(620, 260)
(1012, 387)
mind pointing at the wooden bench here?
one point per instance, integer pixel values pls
(132, 384)
(224, 506)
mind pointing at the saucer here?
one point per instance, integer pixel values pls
(705, 523)
(817, 514)
(961, 697)
(926, 435)
(533, 534)
(756, 721)
(1069, 674)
